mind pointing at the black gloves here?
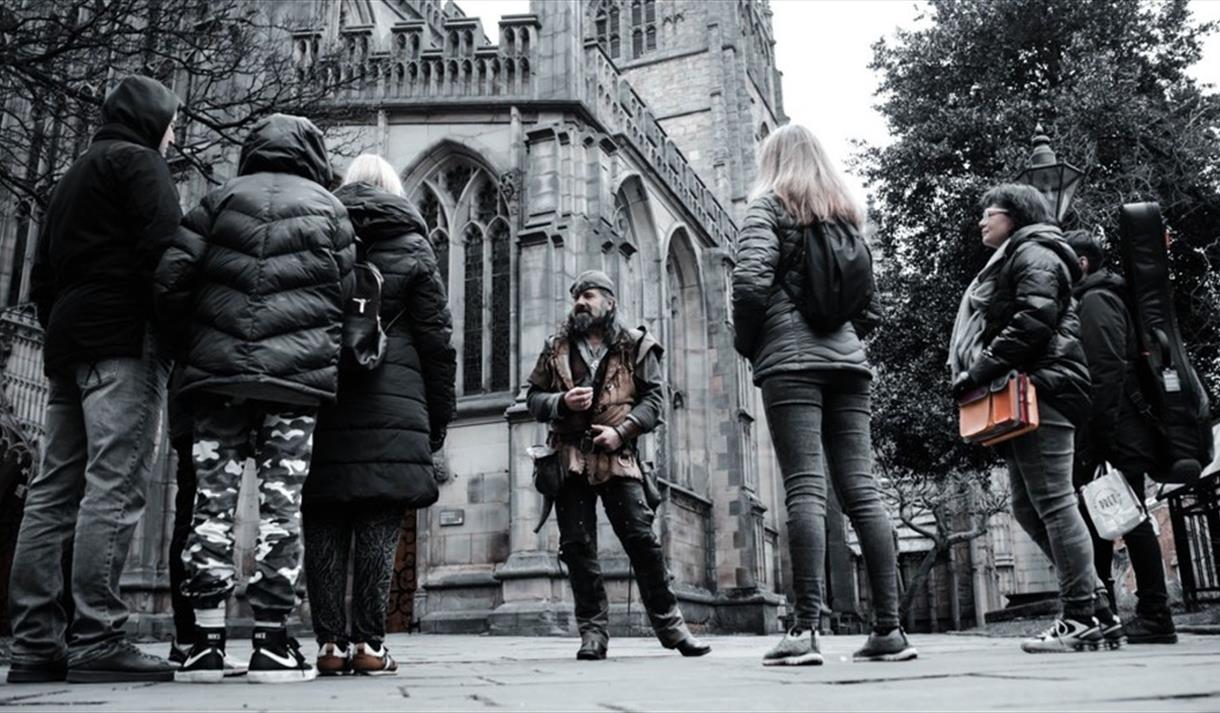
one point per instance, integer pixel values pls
(962, 383)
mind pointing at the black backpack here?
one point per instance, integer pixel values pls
(838, 275)
(364, 338)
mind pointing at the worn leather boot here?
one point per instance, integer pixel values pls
(592, 646)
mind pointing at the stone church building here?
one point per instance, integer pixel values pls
(612, 134)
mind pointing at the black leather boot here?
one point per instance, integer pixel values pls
(592, 646)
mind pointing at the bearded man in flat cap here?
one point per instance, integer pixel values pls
(599, 385)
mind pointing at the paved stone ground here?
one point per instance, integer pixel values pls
(480, 673)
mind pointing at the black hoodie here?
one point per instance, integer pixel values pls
(1031, 321)
(255, 280)
(376, 441)
(108, 221)
(1114, 430)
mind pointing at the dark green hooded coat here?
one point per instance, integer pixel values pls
(257, 275)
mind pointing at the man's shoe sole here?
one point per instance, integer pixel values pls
(1073, 649)
(809, 659)
(36, 677)
(1153, 639)
(203, 676)
(287, 676)
(119, 676)
(378, 672)
(695, 653)
(582, 656)
(907, 654)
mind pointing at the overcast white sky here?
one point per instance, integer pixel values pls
(823, 47)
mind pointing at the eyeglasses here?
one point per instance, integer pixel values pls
(992, 212)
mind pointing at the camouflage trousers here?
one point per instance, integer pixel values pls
(280, 439)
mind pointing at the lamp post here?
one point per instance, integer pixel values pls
(1053, 178)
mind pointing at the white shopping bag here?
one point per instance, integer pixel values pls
(1112, 505)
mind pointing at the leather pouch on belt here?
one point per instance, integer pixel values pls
(548, 470)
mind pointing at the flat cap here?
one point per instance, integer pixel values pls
(590, 279)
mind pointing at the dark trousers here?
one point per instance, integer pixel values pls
(184, 508)
(1144, 548)
(369, 532)
(87, 498)
(280, 439)
(631, 518)
(1045, 505)
(821, 428)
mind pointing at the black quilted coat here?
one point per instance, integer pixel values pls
(376, 442)
(257, 274)
(770, 331)
(1031, 321)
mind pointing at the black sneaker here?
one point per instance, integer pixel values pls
(43, 672)
(205, 662)
(1143, 630)
(277, 658)
(890, 646)
(124, 664)
(592, 646)
(1111, 628)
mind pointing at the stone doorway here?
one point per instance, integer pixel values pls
(401, 607)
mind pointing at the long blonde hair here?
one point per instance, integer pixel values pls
(793, 165)
(374, 170)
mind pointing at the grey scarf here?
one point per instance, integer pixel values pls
(966, 342)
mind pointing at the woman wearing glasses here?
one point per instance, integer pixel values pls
(1018, 314)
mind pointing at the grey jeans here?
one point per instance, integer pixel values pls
(101, 434)
(1044, 503)
(814, 416)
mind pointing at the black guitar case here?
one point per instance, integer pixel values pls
(1170, 393)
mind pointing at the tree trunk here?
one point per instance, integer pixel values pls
(920, 576)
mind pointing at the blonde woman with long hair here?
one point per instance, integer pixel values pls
(815, 387)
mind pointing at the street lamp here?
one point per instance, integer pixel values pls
(1053, 178)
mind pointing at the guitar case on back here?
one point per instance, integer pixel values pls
(1170, 393)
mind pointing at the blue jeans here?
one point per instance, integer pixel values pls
(1045, 504)
(814, 416)
(101, 435)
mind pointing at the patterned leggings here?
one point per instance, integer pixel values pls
(330, 530)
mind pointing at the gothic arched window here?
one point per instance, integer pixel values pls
(606, 26)
(468, 225)
(643, 27)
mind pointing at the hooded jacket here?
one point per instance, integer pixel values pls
(1031, 323)
(1114, 430)
(108, 221)
(376, 441)
(770, 330)
(257, 274)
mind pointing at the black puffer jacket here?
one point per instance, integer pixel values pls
(258, 273)
(1114, 430)
(374, 443)
(770, 332)
(1031, 321)
(109, 220)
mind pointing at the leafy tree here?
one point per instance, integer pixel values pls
(230, 61)
(962, 95)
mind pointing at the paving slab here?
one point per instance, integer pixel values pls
(486, 673)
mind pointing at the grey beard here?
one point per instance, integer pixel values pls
(581, 323)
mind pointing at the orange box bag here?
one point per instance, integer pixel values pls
(993, 414)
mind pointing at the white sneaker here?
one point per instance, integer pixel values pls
(1065, 636)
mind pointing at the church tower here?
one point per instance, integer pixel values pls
(707, 71)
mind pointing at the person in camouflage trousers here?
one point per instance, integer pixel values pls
(281, 440)
(255, 281)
